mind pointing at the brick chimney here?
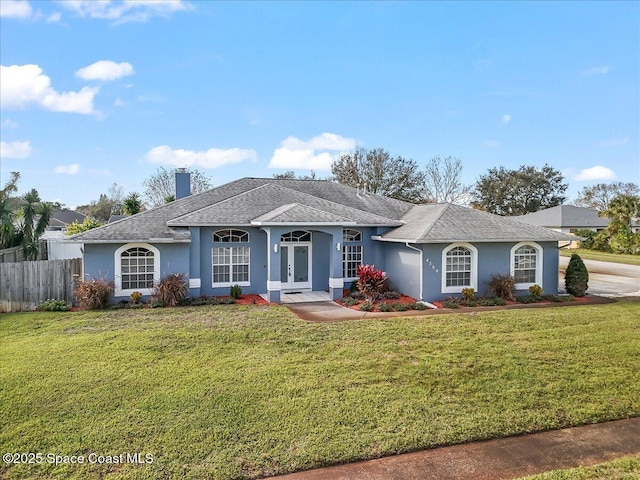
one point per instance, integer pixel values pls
(183, 183)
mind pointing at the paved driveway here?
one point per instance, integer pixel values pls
(609, 279)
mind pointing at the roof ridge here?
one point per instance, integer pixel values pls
(437, 219)
(217, 203)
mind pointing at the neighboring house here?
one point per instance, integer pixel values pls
(60, 220)
(277, 236)
(57, 248)
(115, 218)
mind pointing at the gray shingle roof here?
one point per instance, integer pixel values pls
(565, 216)
(446, 223)
(333, 199)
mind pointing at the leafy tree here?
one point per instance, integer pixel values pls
(132, 204)
(598, 196)
(108, 204)
(87, 224)
(376, 171)
(443, 183)
(576, 278)
(516, 192)
(7, 212)
(160, 187)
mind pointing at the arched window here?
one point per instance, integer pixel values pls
(230, 236)
(296, 236)
(526, 265)
(137, 268)
(351, 253)
(230, 264)
(459, 268)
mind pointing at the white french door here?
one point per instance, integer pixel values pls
(295, 266)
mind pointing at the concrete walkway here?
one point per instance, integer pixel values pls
(505, 458)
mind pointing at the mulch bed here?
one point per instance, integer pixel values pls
(249, 299)
(403, 299)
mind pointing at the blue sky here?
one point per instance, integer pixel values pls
(100, 92)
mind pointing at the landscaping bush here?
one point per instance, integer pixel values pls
(527, 299)
(51, 305)
(400, 307)
(235, 291)
(371, 282)
(502, 285)
(367, 307)
(93, 294)
(450, 304)
(385, 307)
(625, 242)
(468, 294)
(391, 295)
(535, 291)
(350, 301)
(469, 303)
(419, 306)
(170, 290)
(576, 278)
(135, 297)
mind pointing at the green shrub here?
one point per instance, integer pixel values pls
(594, 240)
(350, 301)
(51, 305)
(527, 299)
(499, 302)
(625, 242)
(235, 291)
(371, 282)
(93, 294)
(447, 304)
(391, 295)
(576, 278)
(502, 285)
(385, 307)
(399, 307)
(353, 287)
(535, 290)
(469, 303)
(468, 294)
(366, 307)
(170, 290)
(135, 297)
(419, 306)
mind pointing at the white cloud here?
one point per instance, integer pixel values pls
(8, 123)
(15, 9)
(125, 11)
(71, 169)
(596, 173)
(105, 70)
(15, 149)
(119, 103)
(602, 70)
(212, 158)
(506, 118)
(54, 17)
(492, 144)
(21, 85)
(318, 153)
(614, 142)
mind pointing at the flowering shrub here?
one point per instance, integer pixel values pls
(371, 282)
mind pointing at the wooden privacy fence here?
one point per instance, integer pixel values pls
(24, 285)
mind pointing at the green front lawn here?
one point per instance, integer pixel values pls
(627, 468)
(242, 391)
(602, 256)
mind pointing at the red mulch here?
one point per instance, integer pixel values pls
(250, 299)
(586, 299)
(403, 299)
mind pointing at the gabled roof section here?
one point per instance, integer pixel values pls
(565, 216)
(296, 213)
(246, 207)
(447, 223)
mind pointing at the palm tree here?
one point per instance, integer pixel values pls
(132, 204)
(621, 211)
(8, 232)
(35, 219)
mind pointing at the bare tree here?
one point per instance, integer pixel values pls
(443, 181)
(160, 187)
(376, 171)
(599, 196)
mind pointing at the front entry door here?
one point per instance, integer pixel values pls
(295, 266)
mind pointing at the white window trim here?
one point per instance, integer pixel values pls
(539, 262)
(231, 282)
(474, 268)
(214, 241)
(118, 290)
(352, 244)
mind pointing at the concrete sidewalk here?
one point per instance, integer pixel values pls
(505, 458)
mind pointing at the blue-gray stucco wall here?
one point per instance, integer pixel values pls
(401, 266)
(99, 260)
